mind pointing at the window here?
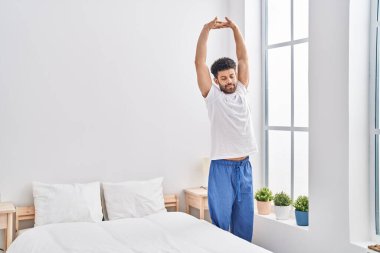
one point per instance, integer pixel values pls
(374, 105)
(285, 61)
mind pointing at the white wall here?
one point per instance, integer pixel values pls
(337, 67)
(100, 90)
(359, 184)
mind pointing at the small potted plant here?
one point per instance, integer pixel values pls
(302, 210)
(264, 197)
(282, 203)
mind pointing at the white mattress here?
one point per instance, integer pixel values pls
(163, 232)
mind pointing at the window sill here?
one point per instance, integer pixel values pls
(364, 246)
(290, 222)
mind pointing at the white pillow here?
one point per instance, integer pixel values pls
(56, 203)
(133, 199)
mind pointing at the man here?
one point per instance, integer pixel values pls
(230, 193)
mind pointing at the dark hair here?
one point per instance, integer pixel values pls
(223, 63)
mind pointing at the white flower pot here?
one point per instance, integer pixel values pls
(282, 212)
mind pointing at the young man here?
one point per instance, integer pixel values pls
(230, 194)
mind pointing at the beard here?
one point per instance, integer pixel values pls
(228, 88)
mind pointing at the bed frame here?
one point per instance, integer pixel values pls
(25, 213)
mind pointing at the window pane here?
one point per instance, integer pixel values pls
(278, 21)
(279, 89)
(301, 89)
(301, 163)
(301, 19)
(279, 161)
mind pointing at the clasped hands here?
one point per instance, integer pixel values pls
(217, 24)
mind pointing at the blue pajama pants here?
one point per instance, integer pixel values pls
(230, 196)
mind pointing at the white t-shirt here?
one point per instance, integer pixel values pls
(232, 132)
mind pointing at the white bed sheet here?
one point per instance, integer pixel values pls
(162, 232)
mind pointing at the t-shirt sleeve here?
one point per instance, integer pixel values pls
(242, 87)
(212, 94)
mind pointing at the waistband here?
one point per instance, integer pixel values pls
(230, 162)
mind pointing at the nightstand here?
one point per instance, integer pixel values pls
(6, 221)
(196, 198)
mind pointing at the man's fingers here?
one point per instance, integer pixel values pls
(224, 25)
(213, 21)
(220, 24)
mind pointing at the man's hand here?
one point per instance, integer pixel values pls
(229, 23)
(215, 24)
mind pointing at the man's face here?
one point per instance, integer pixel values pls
(227, 80)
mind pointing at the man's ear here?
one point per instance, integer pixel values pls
(216, 81)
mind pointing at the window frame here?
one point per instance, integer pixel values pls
(264, 62)
(374, 130)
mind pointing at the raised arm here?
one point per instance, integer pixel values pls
(241, 53)
(203, 73)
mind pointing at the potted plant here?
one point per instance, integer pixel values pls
(264, 197)
(282, 203)
(302, 210)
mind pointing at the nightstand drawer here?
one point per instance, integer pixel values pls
(197, 202)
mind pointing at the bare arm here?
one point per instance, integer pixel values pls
(241, 53)
(203, 73)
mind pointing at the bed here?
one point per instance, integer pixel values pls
(125, 217)
(161, 232)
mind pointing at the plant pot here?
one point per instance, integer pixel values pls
(302, 218)
(263, 207)
(282, 212)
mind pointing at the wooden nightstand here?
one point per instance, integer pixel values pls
(6, 222)
(197, 198)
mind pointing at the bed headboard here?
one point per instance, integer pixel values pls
(24, 213)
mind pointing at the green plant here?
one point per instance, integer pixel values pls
(282, 199)
(264, 194)
(302, 204)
